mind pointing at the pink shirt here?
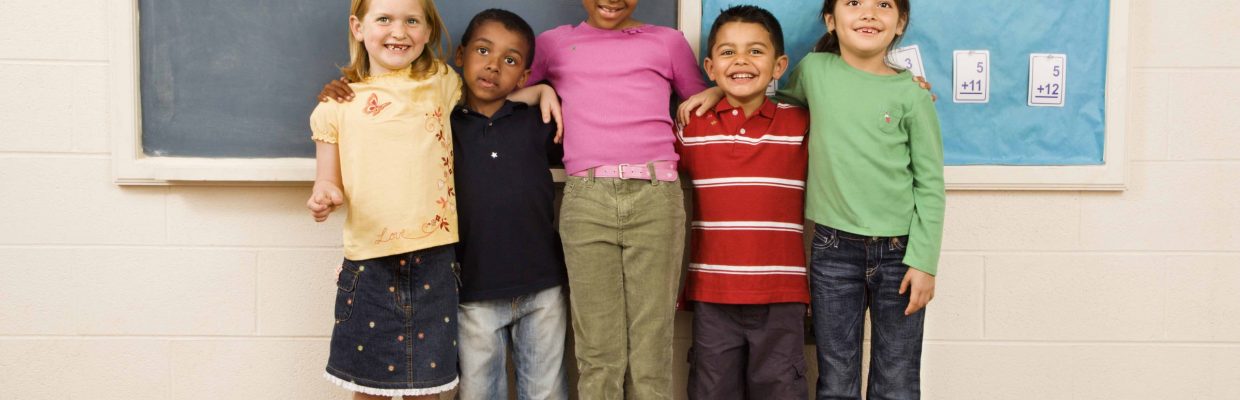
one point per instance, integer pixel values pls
(616, 87)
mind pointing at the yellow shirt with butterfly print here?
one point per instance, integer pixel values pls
(395, 144)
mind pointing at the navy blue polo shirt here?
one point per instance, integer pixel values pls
(505, 200)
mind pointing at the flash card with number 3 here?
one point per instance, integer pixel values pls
(909, 58)
(1048, 80)
(971, 76)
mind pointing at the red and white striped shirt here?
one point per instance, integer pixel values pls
(749, 197)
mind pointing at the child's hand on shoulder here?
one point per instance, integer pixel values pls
(325, 197)
(549, 103)
(920, 287)
(698, 104)
(547, 100)
(921, 81)
(337, 89)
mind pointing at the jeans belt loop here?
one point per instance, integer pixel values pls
(590, 175)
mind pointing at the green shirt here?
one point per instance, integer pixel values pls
(875, 154)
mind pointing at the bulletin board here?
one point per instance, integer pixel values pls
(1004, 143)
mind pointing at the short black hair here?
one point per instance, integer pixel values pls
(511, 22)
(750, 14)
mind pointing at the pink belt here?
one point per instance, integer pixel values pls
(662, 170)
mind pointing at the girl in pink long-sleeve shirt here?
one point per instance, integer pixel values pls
(622, 219)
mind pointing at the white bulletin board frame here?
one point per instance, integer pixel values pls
(1107, 177)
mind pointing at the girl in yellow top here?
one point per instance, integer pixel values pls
(389, 159)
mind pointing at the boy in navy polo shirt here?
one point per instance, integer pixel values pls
(511, 259)
(747, 277)
(512, 265)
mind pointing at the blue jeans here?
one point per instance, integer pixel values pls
(534, 326)
(850, 273)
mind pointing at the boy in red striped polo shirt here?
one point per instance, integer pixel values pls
(747, 275)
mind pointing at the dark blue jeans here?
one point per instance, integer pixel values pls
(848, 274)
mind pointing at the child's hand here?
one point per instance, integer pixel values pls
(337, 89)
(921, 81)
(920, 287)
(324, 198)
(698, 104)
(549, 103)
(547, 100)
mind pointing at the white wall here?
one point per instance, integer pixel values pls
(178, 292)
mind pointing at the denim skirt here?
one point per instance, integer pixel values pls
(396, 328)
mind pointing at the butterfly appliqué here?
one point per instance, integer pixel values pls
(373, 108)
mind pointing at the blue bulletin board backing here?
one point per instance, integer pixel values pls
(1005, 131)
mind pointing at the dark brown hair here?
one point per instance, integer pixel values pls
(830, 43)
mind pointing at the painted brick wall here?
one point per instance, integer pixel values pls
(224, 293)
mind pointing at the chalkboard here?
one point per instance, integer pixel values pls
(237, 79)
(1005, 131)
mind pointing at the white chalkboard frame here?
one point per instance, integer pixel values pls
(1107, 177)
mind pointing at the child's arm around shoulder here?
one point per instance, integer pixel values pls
(555, 151)
(698, 104)
(336, 89)
(801, 77)
(799, 115)
(686, 76)
(546, 43)
(537, 92)
(543, 96)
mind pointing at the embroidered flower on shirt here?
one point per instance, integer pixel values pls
(438, 223)
(446, 202)
(434, 123)
(632, 31)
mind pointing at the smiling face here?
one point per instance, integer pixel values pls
(394, 33)
(866, 28)
(493, 63)
(743, 62)
(610, 14)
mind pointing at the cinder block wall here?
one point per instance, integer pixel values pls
(224, 293)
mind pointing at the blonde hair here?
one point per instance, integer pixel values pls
(427, 64)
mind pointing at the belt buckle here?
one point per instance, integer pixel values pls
(621, 168)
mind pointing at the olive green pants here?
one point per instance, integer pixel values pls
(624, 245)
